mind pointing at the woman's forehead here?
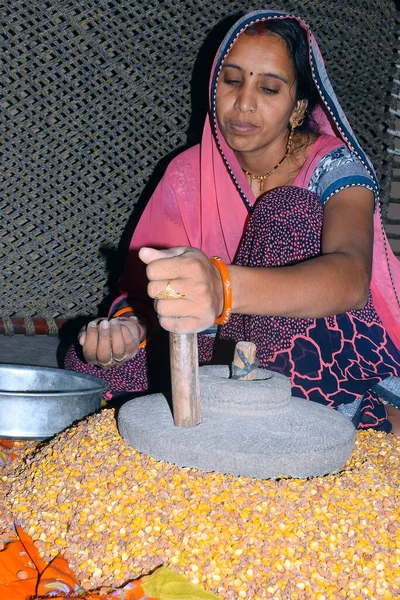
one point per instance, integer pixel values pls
(259, 53)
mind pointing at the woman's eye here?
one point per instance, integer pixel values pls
(267, 90)
(232, 81)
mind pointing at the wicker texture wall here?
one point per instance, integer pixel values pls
(96, 92)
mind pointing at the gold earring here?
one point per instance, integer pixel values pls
(297, 122)
(290, 138)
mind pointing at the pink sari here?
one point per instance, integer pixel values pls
(204, 199)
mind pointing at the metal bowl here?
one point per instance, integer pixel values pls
(37, 402)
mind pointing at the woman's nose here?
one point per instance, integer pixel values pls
(246, 100)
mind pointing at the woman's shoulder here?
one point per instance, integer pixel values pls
(334, 166)
(187, 159)
(332, 153)
(332, 159)
(182, 176)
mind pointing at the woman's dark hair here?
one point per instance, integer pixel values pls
(295, 37)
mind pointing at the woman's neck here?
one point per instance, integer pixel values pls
(261, 161)
(285, 173)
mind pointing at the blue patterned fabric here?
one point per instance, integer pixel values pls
(337, 170)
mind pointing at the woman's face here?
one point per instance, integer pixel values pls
(256, 94)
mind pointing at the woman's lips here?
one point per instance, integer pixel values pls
(241, 127)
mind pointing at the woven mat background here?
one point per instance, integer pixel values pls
(96, 92)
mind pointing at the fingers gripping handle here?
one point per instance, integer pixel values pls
(185, 379)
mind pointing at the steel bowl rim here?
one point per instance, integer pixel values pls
(100, 384)
(51, 394)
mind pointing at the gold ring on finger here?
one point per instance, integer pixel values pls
(107, 364)
(168, 293)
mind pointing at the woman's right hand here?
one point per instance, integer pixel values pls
(110, 342)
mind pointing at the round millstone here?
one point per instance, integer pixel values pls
(288, 437)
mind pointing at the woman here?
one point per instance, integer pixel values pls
(280, 190)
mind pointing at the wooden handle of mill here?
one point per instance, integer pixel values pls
(185, 379)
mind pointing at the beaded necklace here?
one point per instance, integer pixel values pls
(262, 178)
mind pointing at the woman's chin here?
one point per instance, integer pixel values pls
(241, 144)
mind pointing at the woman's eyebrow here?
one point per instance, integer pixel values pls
(232, 65)
(274, 75)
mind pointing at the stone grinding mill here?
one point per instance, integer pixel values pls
(246, 424)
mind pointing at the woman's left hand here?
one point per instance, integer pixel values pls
(189, 272)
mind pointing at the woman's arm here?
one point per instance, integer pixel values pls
(335, 282)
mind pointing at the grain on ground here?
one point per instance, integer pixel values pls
(117, 514)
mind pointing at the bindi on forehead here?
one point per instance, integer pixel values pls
(251, 72)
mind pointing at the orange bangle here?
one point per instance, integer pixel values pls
(123, 311)
(227, 287)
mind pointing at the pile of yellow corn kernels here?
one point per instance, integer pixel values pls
(116, 514)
